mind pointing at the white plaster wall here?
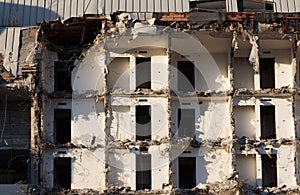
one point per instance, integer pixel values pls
(211, 66)
(118, 73)
(285, 127)
(281, 51)
(211, 167)
(87, 167)
(283, 116)
(286, 166)
(122, 168)
(160, 166)
(120, 127)
(244, 121)
(212, 118)
(214, 77)
(47, 79)
(216, 165)
(246, 168)
(122, 70)
(159, 72)
(88, 122)
(159, 117)
(89, 73)
(244, 101)
(48, 120)
(283, 68)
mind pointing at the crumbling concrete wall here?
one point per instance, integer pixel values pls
(90, 116)
(211, 166)
(244, 118)
(278, 49)
(159, 117)
(246, 168)
(283, 116)
(211, 117)
(47, 71)
(48, 119)
(87, 167)
(252, 160)
(286, 166)
(203, 55)
(103, 146)
(122, 68)
(123, 167)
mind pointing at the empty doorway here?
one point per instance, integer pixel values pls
(267, 122)
(143, 73)
(143, 122)
(62, 125)
(143, 171)
(269, 170)
(62, 172)
(186, 76)
(267, 73)
(187, 172)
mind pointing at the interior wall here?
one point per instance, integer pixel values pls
(159, 117)
(278, 49)
(246, 168)
(213, 77)
(283, 68)
(159, 66)
(88, 122)
(120, 127)
(286, 166)
(243, 73)
(48, 116)
(122, 168)
(118, 73)
(87, 167)
(212, 118)
(211, 166)
(283, 116)
(244, 121)
(88, 75)
(160, 160)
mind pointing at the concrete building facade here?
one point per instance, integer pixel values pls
(150, 96)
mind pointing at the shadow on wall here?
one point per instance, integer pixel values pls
(119, 172)
(23, 15)
(203, 170)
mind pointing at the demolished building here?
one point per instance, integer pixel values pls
(149, 96)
